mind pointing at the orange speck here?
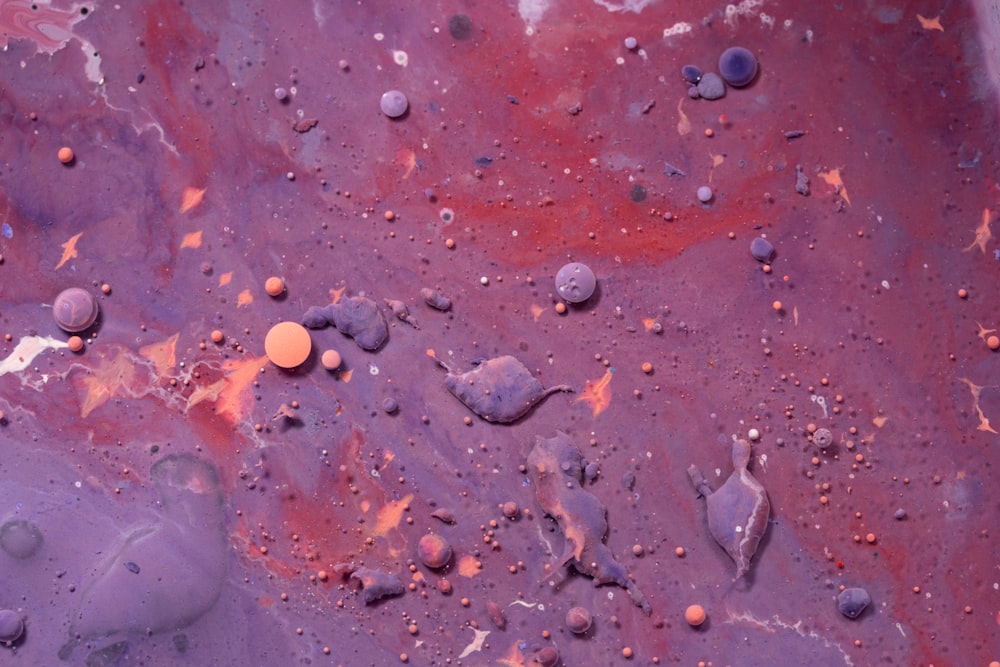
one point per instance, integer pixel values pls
(75, 344)
(776, 306)
(191, 240)
(449, 243)
(217, 336)
(561, 308)
(274, 286)
(993, 342)
(389, 215)
(963, 293)
(66, 155)
(191, 197)
(709, 132)
(597, 393)
(647, 367)
(389, 516)
(930, 24)
(695, 615)
(69, 249)
(244, 298)
(225, 278)
(536, 312)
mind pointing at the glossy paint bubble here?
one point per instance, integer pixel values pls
(578, 620)
(575, 282)
(434, 551)
(853, 601)
(691, 74)
(287, 344)
(75, 309)
(394, 103)
(737, 66)
(165, 574)
(11, 626)
(20, 538)
(705, 194)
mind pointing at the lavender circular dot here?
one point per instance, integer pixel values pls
(280, 94)
(575, 282)
(631, 43)
(705, 194)
(394, 104)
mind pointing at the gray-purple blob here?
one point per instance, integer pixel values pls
(761, 249)
(691, 74)
(738, 66)
(853, 601)
(183, 555)
(394, 103)
(575, 282)
(711, 86)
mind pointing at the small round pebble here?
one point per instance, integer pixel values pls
(631, 43)
(762, 250)
(705, 194)
(331, 360)
(737, 66)
(75, 344)
(711, 86)
(66, 155)
(11, 626)
(280, 94)
(695, 615)
(390, 405)
(900, 514)
(691, 74)
(434, 551)
(274, 286)
(852, 601)
(575, 282)
(394, 103)
(579, 620)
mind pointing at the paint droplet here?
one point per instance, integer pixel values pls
(695, 615)
(66, 155)
(394, 103)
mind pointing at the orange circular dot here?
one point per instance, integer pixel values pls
(695, 615)
(993, 342)
(709, 132)
(106, 288)
(776, 306)
(217, 336)
(680, 552)
(766, 268)
(626, 652)
(331, 360)
(963, 293)
(274, 286)
(870, 538)
(66, 155)
(287, 344)
(561, 308)
(449, 243)
(75, 344)
(647, 367)
(389, 215)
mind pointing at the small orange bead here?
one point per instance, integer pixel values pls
(66, 155)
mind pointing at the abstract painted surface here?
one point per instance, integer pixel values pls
(168, 496)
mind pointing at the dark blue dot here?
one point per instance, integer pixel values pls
(691, 74)
(737, 66)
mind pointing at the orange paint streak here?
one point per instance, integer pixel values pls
(231, 394)
(984, 423)
(683, 122)
(244, 298)
(648, 323)
(335, 294)
(109, 377)
(69, 249)
(930, 24)
(834, 180)
(407, 159)
(191, 240)
(389, 516)
(163, 354)
(345, 376)
(468, 567)
(983, 233)
(983, 331)
(225, 278)
(597, 393)
(191, 198)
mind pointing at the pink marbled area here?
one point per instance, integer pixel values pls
(48, 27)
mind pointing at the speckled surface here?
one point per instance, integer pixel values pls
(158, 462)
